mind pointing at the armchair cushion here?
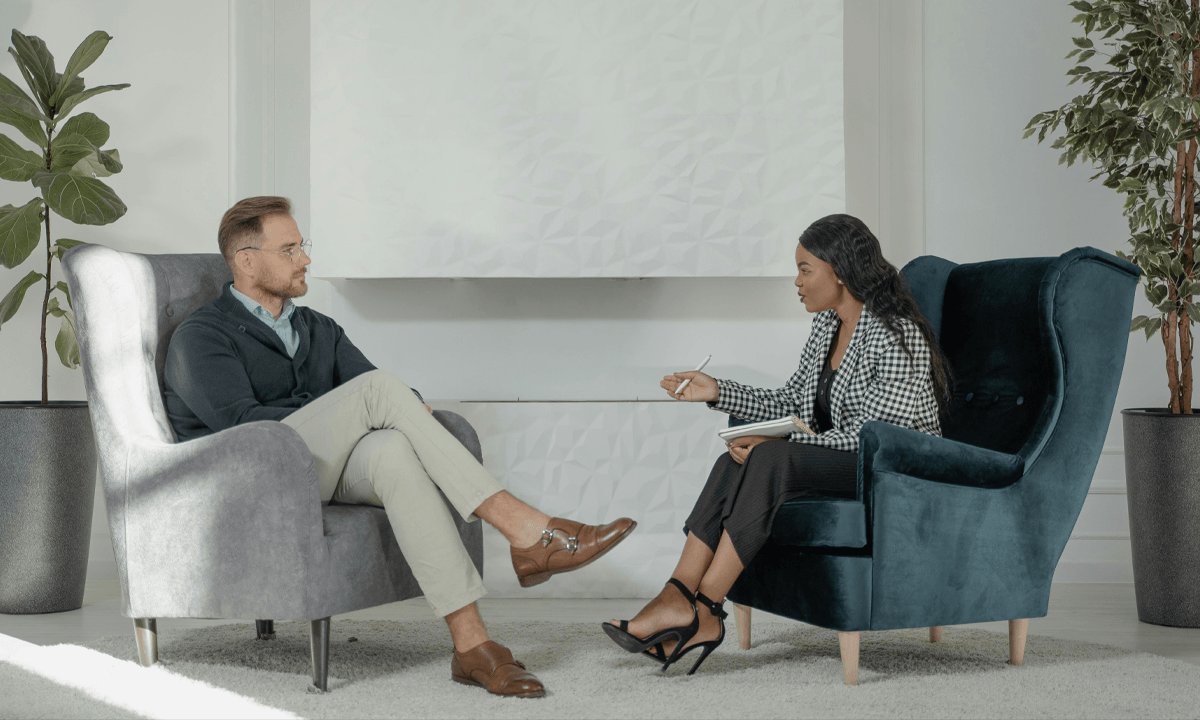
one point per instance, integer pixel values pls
(821, 522)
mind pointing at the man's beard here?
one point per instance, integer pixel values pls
(283, 288)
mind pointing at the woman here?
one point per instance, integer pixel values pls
(871, 355)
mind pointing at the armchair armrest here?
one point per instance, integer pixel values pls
(884, 447)
(227, 516)
(951, 531)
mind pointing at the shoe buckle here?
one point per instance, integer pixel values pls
(572, 544)
(547, 537)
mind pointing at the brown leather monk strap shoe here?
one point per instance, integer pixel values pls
(491, 666)
(566, 545)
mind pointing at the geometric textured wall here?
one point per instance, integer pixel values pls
(595, 462)
(602, 138)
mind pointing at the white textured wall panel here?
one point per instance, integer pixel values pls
(615, 138)
(595, 462)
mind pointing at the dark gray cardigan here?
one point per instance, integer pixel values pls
(225, 367)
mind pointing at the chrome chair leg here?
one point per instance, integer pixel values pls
(319, 637)
(265, 629)
(145, 632)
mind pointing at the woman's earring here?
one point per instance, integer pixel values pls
(839, 282)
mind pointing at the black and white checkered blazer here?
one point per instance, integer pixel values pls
(876, 380)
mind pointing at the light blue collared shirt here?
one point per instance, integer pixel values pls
(282, 327)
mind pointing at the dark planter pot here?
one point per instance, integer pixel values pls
(47, 486)
(1162, 478)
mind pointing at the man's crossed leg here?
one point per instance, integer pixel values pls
(373, 442)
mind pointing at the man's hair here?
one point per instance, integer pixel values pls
(242, 223)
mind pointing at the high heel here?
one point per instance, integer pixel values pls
(620, 633)
(709, 645)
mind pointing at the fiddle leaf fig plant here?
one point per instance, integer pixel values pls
(65, 165)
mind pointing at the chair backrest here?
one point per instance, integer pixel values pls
(999, 324)
(127, 307)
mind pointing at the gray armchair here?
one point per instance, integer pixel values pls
(230, 525)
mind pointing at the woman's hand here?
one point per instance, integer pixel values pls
(739, 448)
(702, 388)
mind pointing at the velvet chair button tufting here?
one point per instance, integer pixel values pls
(1020, 400)
(969, 396)
(996, 399)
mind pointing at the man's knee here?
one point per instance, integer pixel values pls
(383, 378)
(391, 457)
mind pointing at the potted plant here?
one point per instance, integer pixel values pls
(1138, 123)
(47, 452)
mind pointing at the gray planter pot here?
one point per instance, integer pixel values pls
(1162, 477)
(47, 485)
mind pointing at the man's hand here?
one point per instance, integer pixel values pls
(429, 409)
(702, 388)
(739, 448)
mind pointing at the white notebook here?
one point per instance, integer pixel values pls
(782, 427)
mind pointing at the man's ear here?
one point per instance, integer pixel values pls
(242, 263)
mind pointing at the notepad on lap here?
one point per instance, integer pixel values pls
(782, 427)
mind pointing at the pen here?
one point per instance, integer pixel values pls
(698, 369)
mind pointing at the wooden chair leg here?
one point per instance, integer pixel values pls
(848, 641)
(145, 632)
(1017, 630)
(319, 639)
(741, 614)
(935, 633)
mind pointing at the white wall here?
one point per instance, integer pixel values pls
(990, 67)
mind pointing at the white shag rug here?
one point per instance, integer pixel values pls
(402, 669)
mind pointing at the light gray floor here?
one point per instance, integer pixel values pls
(1094, 612)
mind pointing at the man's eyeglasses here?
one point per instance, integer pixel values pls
(293, 253)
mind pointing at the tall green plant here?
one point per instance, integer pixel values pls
(1138, 123)
(66, 171)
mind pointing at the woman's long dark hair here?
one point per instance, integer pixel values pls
(853, 251)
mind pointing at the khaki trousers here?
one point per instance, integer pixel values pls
(374, 443)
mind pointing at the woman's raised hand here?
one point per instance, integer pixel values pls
(702, 388)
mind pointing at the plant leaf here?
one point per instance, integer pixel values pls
(70, 103)
(82, 200)
(24, 116)
(12, 301)
(72, 87)
(8, 87)
(60, 247)
(87, 125)
(68, 150)
(1138, 323)
(54, 309)
(1152, 327)
(19, 232)
(87, 52)
(99, 164)
(17, 163)
(35, 59)
(66, 343)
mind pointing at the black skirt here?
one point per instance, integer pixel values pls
(743, 499)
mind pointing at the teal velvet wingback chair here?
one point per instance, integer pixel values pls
(967, 527)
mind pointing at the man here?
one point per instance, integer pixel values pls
(253, 355)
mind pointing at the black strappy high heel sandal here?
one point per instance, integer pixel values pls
(708, 645)
(651, 646)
